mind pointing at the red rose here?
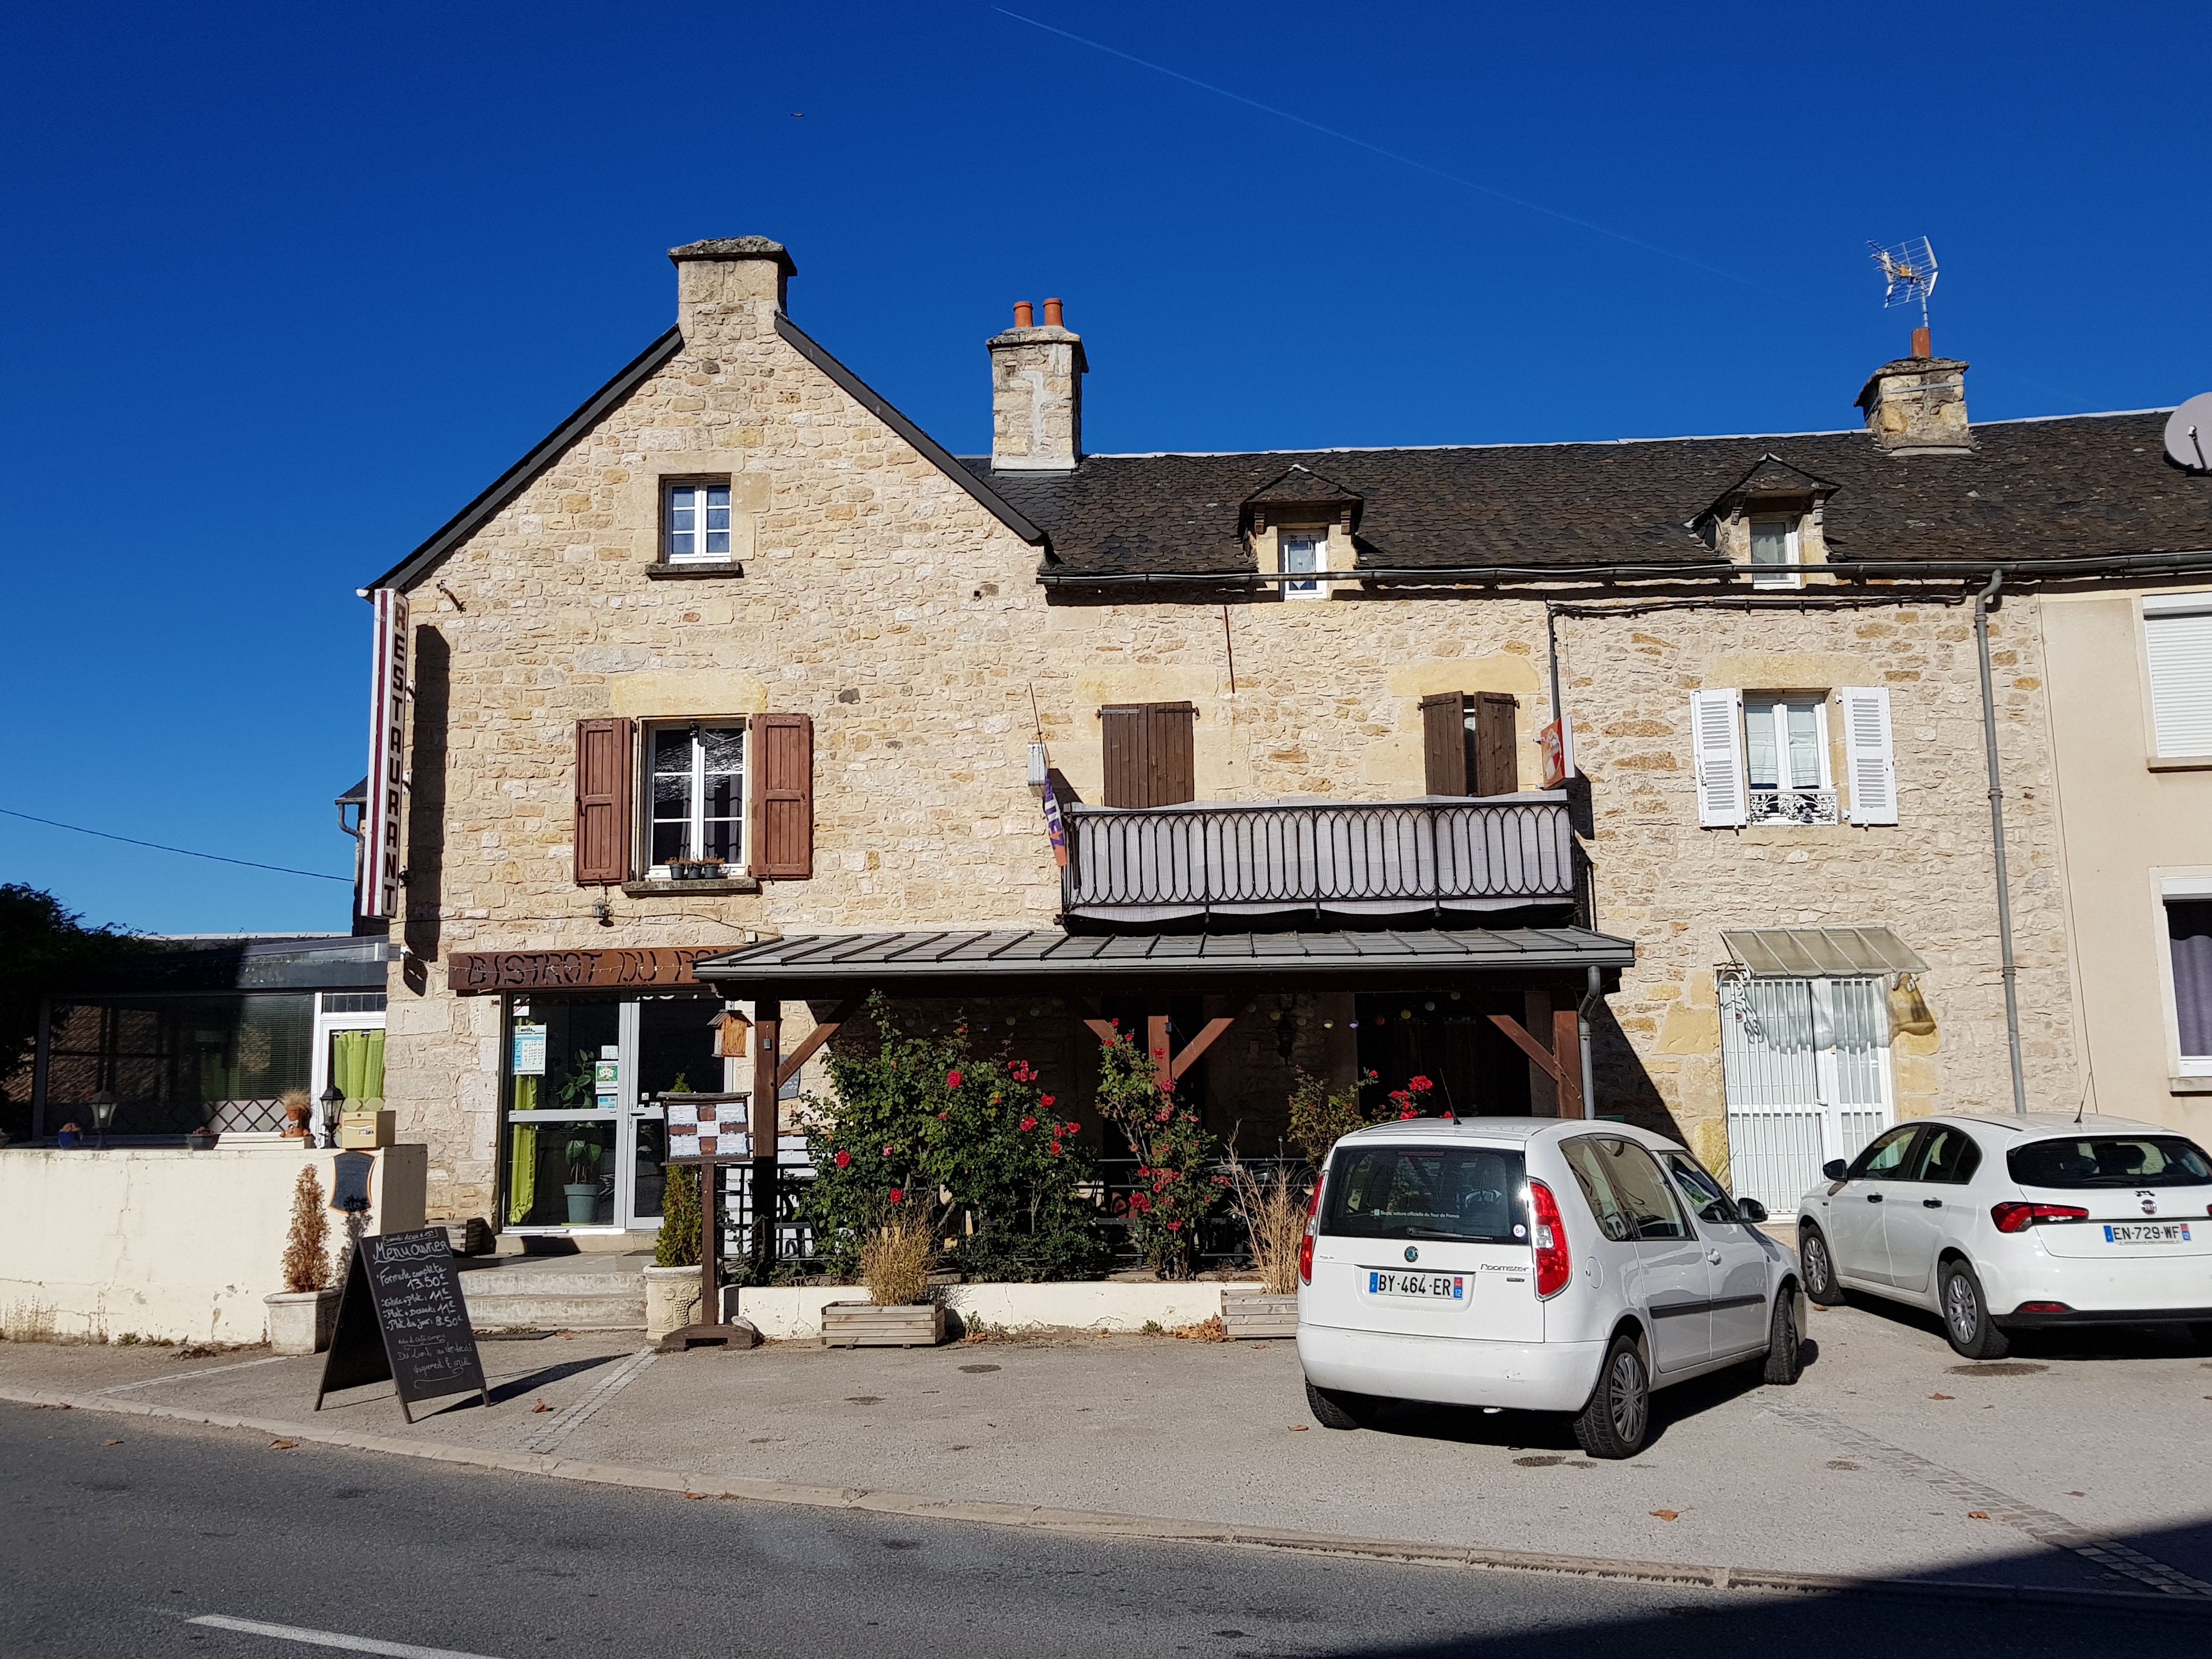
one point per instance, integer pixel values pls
(1420, 1085)
(1174, 1226)
(1028, 1124)
(1048, 1102)
(898, 1194)
(844, 1159)
(1070, 1130)
(952, 1079)
(1408, 1112)
(887, 1151)
(1055, 1149)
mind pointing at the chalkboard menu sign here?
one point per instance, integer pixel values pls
(401, 1317)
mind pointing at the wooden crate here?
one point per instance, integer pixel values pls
(865, 1325)
(1261, 1317)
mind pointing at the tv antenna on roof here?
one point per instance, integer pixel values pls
(1909, 269)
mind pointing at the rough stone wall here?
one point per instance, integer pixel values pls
(882, 601)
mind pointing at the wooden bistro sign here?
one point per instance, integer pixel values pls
(481, 973)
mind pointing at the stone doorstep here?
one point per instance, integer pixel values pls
(572, 1293)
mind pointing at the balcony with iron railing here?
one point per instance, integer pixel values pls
(1437, 860)
(1792, 807)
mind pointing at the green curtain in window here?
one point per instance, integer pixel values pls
(522, 1171)
(357, 1064)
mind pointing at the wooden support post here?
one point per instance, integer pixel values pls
(768, 1036)
(815, 1038)
(1157, 1046)
(1567, 1050)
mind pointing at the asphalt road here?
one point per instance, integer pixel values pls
(119, 1533)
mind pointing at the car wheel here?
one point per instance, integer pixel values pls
(1619, 1416)
(1785, 1345)
(1819, 1266)
(1967, 1316)
(1333, 1408)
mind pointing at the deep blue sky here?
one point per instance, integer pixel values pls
(282, 287)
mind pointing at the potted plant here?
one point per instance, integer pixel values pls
(299, 1108)
(303, 1314)
(895, 1262)
(68, 1135)
(672, 1283)
(583, 1191)
(203, 1140)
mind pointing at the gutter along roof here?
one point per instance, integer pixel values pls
(1050, 963)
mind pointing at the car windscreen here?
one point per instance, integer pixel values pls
(1479, 1194)
(2084, 1161)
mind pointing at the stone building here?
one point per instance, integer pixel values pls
(739, 690)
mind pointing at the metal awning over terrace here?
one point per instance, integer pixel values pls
(1050, 963)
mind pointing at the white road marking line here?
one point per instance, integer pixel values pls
(329, 1638)
(572, 1417)
(211, 1370)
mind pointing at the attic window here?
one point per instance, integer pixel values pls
(1775, 558)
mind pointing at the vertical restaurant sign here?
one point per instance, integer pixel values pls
(387, 758)
(1558, 742)
(1053, 826)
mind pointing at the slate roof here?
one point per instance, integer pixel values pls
(2077, 487)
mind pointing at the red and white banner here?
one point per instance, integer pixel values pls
(387, 758)
(1558, 743)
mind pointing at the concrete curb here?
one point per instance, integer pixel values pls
(1142, 1528)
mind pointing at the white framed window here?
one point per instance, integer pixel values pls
(1303, 549)
(2177, 649)
(1774, 553)
(697, 517)
(1763, 756)
(2187, 901)
(695, 802)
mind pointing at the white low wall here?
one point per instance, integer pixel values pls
(162, 1243)
(783, 1314)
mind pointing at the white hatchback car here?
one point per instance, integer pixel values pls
(2004, 1224)
(1533, 1263)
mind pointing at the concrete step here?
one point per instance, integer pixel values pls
(543, 1296)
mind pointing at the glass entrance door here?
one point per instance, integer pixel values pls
(675, 1048)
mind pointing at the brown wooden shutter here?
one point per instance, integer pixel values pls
(779, 750)
(604, 831)
(1444, 743)
(1496, 766)
(1122, 732)
(1170, 763)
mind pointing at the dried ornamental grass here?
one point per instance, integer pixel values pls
(895, 1261)
(1275, 1213)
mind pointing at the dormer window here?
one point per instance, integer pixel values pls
(1303, 549)
(1300, 529)
(1775, 560)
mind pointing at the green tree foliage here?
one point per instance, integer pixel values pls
(1319, 1116)
(922, 1126)
(678, 1244)
(43, 948)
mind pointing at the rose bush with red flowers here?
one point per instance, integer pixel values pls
(959, 1137)
(1173, 1151)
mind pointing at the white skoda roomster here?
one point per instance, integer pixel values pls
(1536, 1264)
(2008, 1223)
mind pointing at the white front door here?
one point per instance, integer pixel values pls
(1805, 1065)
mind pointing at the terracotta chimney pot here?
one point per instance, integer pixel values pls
(1024, 316)
(1052, 313)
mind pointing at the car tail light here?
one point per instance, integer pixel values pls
(1553, 1267)
(2043, 1307)
(2013, 1216)
(1313, 1221)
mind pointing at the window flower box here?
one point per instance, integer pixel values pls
(865, 1325)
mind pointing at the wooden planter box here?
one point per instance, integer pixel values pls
(865, 1325)
(1260, 1316)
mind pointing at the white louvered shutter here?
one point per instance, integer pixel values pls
(1869, 757)
(1716, 734)
(2178, 643)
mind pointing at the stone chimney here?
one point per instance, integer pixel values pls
(730, 284)
(1037, 394)
(1918, 404)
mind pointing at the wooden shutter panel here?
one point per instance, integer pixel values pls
(603, 802)
(1496, 766)
(1869, 758)
(1444, 743)
(1717, 740)
(779, 753)
(1122, 732)
(1169, 762)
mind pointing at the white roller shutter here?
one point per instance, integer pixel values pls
(1869, 757)
(2178, 644)
(1717, 740)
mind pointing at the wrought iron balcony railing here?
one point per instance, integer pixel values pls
(1793, 806)
(1382, 858)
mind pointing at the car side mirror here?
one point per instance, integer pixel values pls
(1751, 1210)
(1835, 1168)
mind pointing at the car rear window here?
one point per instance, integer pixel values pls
(1476, 1193)
(2111, 1161)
